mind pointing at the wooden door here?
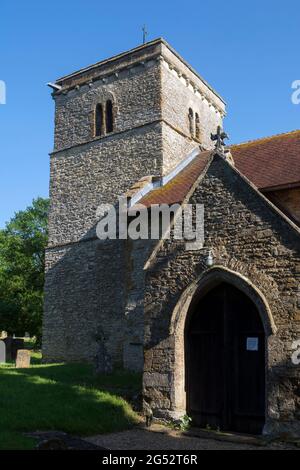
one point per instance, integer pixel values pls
(225, 362)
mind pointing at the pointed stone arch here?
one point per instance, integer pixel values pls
(200, 287)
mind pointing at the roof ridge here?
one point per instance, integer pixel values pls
(261, 139)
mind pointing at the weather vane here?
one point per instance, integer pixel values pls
(219, 137)
(145, 33)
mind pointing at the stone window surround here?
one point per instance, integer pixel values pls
(103, 103)
(98, 120)
(115, 75)
(197, 127)
(194, 124)
(116, 132)
(102, 98)
(134, 68)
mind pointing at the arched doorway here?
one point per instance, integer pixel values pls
(225, 361)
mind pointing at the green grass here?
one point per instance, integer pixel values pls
(62, 397)
(10, 440)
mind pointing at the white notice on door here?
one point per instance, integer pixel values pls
(252, 344)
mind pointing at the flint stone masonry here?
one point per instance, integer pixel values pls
(247, 237)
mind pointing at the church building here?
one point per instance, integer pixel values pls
(214, 327)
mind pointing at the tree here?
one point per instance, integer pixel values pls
(22, 263)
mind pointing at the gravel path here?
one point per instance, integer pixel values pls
(166, 439)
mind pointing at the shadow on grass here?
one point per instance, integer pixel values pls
(125, 382)
(63, 397)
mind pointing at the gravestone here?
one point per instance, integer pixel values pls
(12, 346)
(23, 359)
(2, 352)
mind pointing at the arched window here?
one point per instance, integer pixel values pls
(197, 124)
(98, 120)
(191, 121)
(109, 117)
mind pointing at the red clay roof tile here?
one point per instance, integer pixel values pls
(176, 189)
(268, 163)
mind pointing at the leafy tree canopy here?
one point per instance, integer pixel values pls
(22, 261)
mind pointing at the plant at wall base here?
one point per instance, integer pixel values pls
(185, 423)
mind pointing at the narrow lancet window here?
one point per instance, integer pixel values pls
(109, 116)
(98, 120)
(197, 124)
(191, 121)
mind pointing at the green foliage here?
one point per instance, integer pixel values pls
(15, 441)
(185, 423)
(22, 261)
(62, 397)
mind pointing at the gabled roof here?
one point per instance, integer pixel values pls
(209, 159)
(176, 189)
(269, 163)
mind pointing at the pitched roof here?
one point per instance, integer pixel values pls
(178, 187)
(272, 162)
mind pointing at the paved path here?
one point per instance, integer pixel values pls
(160, 438)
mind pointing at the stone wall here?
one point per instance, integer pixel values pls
(176, 147)
(248, 237)
(96, 173)
(136, 99)
(84, 305)
(137, 252)
(87, 295)
(178, 96)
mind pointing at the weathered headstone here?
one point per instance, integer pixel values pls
(12, 346)
(2, 352)
(23, 359)
(18, 343)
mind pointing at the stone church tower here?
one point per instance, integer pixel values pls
(137, 114)
(214, 326)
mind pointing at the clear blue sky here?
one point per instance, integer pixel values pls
(248, 51)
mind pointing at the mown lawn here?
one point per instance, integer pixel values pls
(62, 397)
